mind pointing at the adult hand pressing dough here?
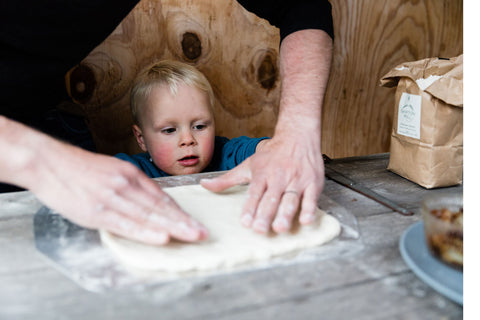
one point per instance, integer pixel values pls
(229, 244)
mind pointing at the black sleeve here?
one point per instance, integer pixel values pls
(41, 40)
(290, 16)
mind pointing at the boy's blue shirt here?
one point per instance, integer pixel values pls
(227, 155)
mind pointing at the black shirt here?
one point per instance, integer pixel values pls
(290, 16)
(40, 40)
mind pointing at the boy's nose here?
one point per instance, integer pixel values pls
(187, 139)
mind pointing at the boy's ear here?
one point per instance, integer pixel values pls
(137, 132)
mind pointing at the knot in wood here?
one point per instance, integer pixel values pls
(191, 45)
(82, 83)
(267, 73)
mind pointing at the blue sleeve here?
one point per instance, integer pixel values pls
(236, 150)
(126, 157)
(142, 161)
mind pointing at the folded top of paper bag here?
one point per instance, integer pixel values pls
(440, 77)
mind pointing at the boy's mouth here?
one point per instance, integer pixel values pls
(189, 161)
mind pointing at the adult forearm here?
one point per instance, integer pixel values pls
(19, 147)
(305, 58)
(34, 160)
(92, 190)
(286, 172)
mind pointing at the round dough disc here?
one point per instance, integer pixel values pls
(229, 243)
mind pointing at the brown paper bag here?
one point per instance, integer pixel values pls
(427, 136)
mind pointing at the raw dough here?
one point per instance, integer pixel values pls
(229, 244)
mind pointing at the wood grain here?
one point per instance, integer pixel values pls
(238, 52)
(367, 279)
(372, 37)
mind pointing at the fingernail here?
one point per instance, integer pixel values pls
(185, 228)
(260, 226)
(307, 219)
(204, 233)
(281, 224)
(247, 220)
(200, 227)
(194, 231)
(196, 224)
(188, 233)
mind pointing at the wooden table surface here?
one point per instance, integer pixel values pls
(372, 282)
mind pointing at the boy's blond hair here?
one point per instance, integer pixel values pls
(167, 73)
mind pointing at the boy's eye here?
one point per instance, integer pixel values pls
(168, 130)
(199, 126)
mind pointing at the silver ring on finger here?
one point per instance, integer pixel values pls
(291, 191)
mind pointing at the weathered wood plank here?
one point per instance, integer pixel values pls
(375, 273)
(366, 279)
(393, 297)
(372, 173)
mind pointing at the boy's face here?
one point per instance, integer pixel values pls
(178, 131)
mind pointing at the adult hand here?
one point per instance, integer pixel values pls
(92, 190)
(288, 170)
(284, 174)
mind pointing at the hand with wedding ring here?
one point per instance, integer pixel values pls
(285, 178)
(287, 173)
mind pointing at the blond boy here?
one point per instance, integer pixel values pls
(172, 106)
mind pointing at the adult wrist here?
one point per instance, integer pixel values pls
(20, 163)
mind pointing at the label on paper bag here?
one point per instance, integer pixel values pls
(409, 112)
